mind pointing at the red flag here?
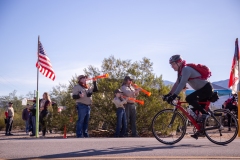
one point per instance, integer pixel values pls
(44, 64)
(234, 75)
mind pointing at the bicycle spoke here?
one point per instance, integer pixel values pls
(167, 129)
(228, 131)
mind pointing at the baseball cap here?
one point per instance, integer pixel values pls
(81, 76)
(10, 103)
(118, 91)
(128, 78)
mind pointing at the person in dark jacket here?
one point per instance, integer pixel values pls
(33, 117)
(25, 117)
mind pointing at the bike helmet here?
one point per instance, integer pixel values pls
(175, 58)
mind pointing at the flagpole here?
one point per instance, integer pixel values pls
(237, 48)
(37, 98)
(238, 63)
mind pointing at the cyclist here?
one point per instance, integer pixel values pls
(203, 88)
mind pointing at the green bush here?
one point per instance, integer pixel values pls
(103, 111)
(2, 123)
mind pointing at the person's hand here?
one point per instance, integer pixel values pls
(137, 90)
(124, 97)
(171, 98)
(166, 96)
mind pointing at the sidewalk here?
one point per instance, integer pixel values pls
(22, 135)
(19, 134)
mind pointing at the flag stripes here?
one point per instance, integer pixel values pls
(44, 64)
(234, 75)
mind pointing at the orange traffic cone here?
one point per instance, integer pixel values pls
(65, 130)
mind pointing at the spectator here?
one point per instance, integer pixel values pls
(50, 117)
(44, 104)
(130, 107)
(33, 117)
(82, 93)
(25, 117)
(9, 116)
(119, 101)
(231, 104)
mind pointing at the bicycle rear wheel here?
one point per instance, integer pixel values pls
(165, 132)
(228, 131)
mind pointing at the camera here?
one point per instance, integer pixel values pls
(89, 94)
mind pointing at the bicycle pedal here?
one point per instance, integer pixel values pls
(194, 136)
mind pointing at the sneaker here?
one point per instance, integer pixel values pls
(198, 134)
(229, 129)
(32, 135)
(6, 134)
(10, 134)
(195, 136)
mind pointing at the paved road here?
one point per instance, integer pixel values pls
(114, 148)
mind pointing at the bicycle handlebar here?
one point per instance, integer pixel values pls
(166, 98)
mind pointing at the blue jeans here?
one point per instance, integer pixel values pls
(33, 125)
(121, 122)
(83, 120)
(27, 126)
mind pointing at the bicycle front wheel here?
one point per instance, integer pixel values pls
(228, 130)
(168, 127)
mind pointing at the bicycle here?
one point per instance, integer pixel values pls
(169, 125)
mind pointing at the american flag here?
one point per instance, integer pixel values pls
(44, 64)
(235, 70)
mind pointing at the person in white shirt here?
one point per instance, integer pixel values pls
(10, 114)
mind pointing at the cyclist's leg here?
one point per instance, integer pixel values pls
(202, 94)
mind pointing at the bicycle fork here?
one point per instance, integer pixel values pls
(173, 118)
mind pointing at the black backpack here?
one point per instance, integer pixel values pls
(214, 97)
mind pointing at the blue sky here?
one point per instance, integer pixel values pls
(79, 33)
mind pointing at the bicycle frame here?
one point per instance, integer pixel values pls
(193, 121)
(169, 126)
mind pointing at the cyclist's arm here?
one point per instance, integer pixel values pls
(184, 79)
(174, 87)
